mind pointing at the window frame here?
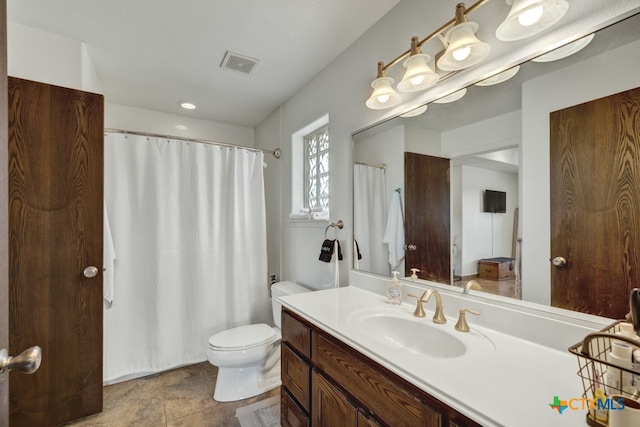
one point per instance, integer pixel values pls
(317, 137)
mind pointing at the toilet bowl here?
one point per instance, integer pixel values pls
(248, 357)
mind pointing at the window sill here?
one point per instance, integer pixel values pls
(309, 223)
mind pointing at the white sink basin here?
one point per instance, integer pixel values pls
(400, 330)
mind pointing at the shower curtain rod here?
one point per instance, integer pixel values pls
(275, 153)
(380, 166)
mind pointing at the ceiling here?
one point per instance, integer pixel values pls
(153, 53)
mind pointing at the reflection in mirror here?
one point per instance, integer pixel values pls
(481, 135)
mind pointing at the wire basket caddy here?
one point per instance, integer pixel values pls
(602, 378)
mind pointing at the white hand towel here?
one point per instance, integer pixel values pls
(108, 261)
(394, 233)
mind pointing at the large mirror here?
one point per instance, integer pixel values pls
(462, 190)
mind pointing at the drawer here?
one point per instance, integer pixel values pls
(296, 334)
(295, 376)
(291, 415)
(371, 386)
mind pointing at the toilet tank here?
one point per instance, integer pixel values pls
(281, 289)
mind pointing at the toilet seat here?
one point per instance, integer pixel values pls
(242, 337)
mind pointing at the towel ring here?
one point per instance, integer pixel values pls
(339, 224)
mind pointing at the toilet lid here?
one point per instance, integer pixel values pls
(242, 337)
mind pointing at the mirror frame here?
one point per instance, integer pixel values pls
(356, 276)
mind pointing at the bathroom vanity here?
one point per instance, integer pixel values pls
(326, 382)
(340, 366)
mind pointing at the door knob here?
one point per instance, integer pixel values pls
(410, 247)
(28, 361)
(90, 272)
(559, 261)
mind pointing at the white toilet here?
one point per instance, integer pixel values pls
(248, 357)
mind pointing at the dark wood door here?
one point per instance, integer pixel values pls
(595, 204)
(428, 216)
(4, 219)
(55, 232)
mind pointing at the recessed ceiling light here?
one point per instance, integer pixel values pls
(187, 105)
(180, 127)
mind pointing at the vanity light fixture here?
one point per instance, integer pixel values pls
(566, 50)
(462, 50)
(453, 97)
(419, 75)
(383, 95)
(187, 105)
(463, 47)
(529, 17)
(500, 77)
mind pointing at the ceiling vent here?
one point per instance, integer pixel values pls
(237, 62)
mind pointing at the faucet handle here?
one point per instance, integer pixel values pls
(462, 324)
(419, 312)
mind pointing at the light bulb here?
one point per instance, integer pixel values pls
(461, 53)
(382, 98)
(531, 16)
(416, 80)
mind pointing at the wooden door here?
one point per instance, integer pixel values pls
(4, 219)
(595, 204)
(55, 232)
(428, 216)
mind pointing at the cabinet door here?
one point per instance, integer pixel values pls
(365, 420)
(291, 415)
(330, 407)
(56, 138)
(295, 376)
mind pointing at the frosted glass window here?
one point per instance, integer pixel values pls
(316, 170)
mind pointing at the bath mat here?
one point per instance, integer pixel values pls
(265, 413)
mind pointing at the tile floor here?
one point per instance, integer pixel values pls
(181, 397)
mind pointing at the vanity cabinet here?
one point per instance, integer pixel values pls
(327, 383)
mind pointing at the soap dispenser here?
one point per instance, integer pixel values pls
(414, 274)
(394, 290)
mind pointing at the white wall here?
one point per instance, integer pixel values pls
(38, 55)
(124, 117)
(492, 134)
(485, 235)
(385, 147)
(573, 85)
(341, 89)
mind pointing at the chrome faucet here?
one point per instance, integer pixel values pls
(471, 284)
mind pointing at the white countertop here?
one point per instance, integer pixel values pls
(511, 386)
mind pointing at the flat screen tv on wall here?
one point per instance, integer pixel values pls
(495, 201)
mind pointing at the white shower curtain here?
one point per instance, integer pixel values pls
(188, 226)
(370, 217)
